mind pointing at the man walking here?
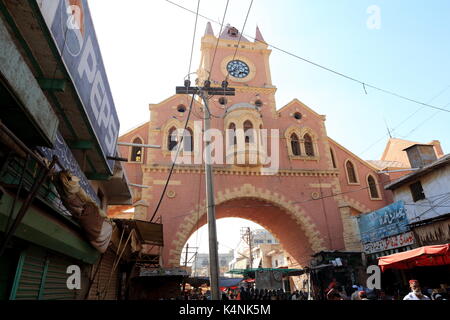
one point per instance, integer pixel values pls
(416, 292)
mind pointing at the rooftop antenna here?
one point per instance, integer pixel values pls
(387, 127)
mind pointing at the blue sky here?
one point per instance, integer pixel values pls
(146, 46)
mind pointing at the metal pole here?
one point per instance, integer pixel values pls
(138, 145)
(40, 179)
(185, 266)
(211, 214)
(250, 245)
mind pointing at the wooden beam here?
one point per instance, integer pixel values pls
(58, 85)
(81, 145)
(97, 176)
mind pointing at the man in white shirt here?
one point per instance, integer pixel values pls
(416, 293)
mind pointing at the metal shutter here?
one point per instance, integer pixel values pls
(29, 274)
(55, 286)
(100, 290)
(42, 275)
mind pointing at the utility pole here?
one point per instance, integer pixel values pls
(185, 265)
(247, 237)
(205, 92)
(186, 260)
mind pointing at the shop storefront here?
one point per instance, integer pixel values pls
(343, 268)
(429, 264)
(385, 231)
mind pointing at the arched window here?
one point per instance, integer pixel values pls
(172, 139)
(309, 147)
(249, 134)
(295, 145)
(373, 187)
(136, 152)
(233, 138)
(188, 140)
(351, 174)
(333, 159)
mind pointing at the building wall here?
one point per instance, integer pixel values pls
(288, 203)
(436, 187)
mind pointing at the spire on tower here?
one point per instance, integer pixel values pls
(259, 37)
(209, 30)
(231, 33)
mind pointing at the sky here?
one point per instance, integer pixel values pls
(146, 49)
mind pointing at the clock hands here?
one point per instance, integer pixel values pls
(238, 69)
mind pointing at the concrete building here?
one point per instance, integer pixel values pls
(200, 265)
(57, 175)
(267, 252)
(426, 195)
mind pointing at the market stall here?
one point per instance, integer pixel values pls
(430, 265)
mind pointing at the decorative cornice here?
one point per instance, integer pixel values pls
(246, 171)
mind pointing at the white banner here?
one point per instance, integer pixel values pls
(401, 240)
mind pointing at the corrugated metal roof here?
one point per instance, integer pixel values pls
(445, 160)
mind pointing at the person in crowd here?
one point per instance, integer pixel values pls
(355, 294)
(341, 292)
(362, 295)
(333, 294)
(416, 292)
(382, 296)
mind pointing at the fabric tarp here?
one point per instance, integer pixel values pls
(223, 282)
(436, 255)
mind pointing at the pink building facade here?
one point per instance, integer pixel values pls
(309, 203)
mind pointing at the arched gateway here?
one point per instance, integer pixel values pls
(286, 220)
(307, 199)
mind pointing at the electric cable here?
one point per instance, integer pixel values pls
(193, 40)
(406, 119)
(174, 161)
(423, 122)
(217, 42)
(240, 37)
(363, 83)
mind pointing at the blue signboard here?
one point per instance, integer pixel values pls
(68, 161)
(385, 222)
(70, 23)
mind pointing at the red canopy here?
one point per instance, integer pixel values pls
(437, 255)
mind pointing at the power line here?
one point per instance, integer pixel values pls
(240, 37)
(175, 160)
(363, 83)
(433, 207)
(185, 125)
(423, 122)
(217, 42)
(406, 119)
(193, 39)
(294, 202)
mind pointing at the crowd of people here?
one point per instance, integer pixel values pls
(264, 294)
(244, 294)
(337, 292)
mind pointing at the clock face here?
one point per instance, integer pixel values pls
(238, 69)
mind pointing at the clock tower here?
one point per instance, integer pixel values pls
(244, 63)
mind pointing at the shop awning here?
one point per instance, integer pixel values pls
(436, 255)
(149, 232)
(223, 282)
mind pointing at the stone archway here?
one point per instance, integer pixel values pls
(284, 219)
